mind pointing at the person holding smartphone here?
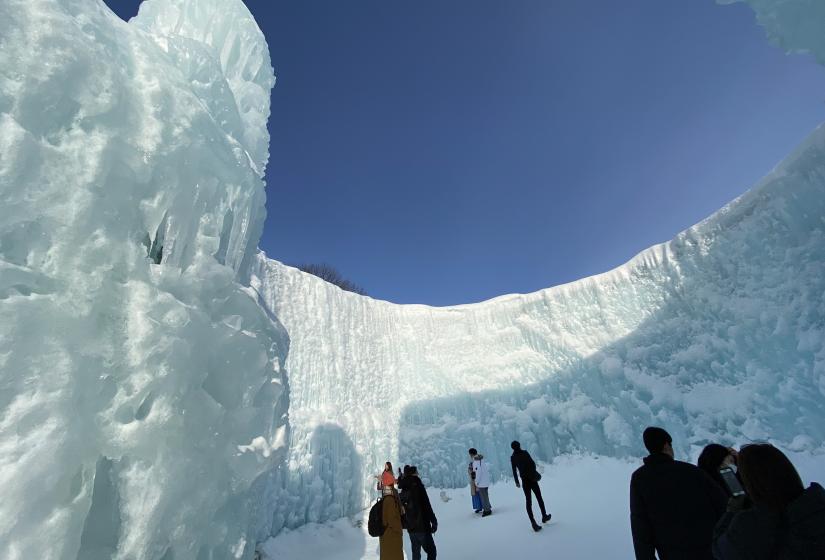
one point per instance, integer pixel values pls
(786, 520)
(715, 457)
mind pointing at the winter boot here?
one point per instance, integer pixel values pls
(546, 517)
(536, 527)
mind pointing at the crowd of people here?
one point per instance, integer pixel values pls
(404, 505)
(748, 504)
(759, 511)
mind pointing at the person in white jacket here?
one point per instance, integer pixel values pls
(481, 476)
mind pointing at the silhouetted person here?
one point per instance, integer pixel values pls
(786, 520)
(674, 506)
(523, 464)
(712, 458)
(421, 520)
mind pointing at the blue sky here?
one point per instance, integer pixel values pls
(447, 152)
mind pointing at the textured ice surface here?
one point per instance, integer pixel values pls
(142, 400)
(794, 25)
(717, 335)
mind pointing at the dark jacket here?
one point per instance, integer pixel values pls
(757, 533)
(521, 461)
(419, 513)
(674, 507)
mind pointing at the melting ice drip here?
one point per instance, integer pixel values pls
(142, 400)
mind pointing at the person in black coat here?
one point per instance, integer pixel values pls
(420, 517)
(786, 520)
(522, 463)
(674, 506)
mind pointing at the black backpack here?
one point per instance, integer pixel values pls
(375, 525)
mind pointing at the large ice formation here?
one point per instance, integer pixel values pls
(142, 397)
(794, 25)
(718, 335)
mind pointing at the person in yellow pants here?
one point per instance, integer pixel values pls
(391, 542)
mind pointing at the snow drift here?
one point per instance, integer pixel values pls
(142, 399)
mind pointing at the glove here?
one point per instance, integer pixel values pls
(518, 485)
(433, 526)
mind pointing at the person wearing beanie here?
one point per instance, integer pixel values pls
(421, 520)
(674, 506)
(523, 464)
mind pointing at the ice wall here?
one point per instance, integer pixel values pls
(717, 335)
(794, 25)
(142, 397)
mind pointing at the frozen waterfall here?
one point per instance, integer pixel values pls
(717, 335)
(145, 407)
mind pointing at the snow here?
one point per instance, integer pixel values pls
(149, 408)
(587, 495)
(138, 414)
(713, 335)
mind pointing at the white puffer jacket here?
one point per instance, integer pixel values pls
(482, 470)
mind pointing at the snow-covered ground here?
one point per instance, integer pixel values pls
(143, 393)
(587, 495)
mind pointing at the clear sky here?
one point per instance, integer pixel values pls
(447, 152)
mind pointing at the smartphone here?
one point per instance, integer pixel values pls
(732, 482)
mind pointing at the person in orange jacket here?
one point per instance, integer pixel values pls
(386, 479)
